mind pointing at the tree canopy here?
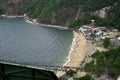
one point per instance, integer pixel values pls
(106, 62)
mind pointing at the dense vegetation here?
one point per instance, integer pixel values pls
(63, 12)
(2, 9)
(103, 22)
(92, 5)
(86, 21)
(105, 63)
(49, 11)
(115, 19)
(44, 8)
(76, 24)
(112, 20)
(106, 43)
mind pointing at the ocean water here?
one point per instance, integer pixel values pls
(26, 43)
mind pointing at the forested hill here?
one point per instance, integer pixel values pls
(72, 13)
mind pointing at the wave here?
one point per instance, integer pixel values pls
(28, 20)
(72, 48)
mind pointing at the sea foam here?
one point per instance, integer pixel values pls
(72, 48)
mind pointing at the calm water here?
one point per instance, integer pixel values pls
(23, 42)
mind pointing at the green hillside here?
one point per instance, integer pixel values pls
(64, 12)
(106, 63)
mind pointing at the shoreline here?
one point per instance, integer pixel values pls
(60, 73)
(78, 52)
(75, 34)
(78, 49)
(35, 21)
(47, 25)
(17, 16)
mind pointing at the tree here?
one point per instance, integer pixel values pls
(70, 72)
(1, 11)
(106, 43)
(106, 62)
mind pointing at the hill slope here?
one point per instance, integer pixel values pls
(64, 12)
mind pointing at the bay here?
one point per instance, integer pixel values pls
(23, 42)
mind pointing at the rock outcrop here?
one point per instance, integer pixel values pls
(103, 13)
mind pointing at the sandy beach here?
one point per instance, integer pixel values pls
(79, 52)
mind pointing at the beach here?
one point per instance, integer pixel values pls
(79, 50)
